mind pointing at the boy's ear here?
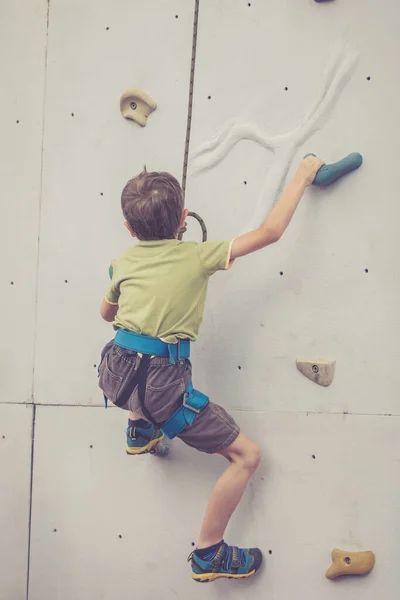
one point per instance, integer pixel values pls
(185, 213)
(133, 234)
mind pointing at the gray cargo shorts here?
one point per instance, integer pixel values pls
(213, 429)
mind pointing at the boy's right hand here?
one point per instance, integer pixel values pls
(308, 168)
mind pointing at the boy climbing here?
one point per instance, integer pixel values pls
(156, 303)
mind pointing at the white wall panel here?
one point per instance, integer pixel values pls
(15, 469)
(97, 51)
(22, 67)
(324, 304)
(88, 492)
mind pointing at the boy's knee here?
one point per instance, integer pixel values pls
(252, 457)
(244, 452)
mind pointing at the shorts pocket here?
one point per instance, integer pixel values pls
(178, 383)
(164, 391)
(109, 382)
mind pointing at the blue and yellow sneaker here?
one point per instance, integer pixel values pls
(223, 561)
(143, 438)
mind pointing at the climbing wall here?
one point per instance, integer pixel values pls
(22, 73)
(15, 468)
(272, 81)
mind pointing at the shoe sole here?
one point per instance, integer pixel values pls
(208, 577)
(144, 449)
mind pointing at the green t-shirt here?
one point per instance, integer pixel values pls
(160, 286)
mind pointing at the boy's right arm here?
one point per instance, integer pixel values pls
(280, 216)
(108, 309)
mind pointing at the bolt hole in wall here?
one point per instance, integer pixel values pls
(281, 273)
(72, 114)
(120, 536)
(11, 283)
(286, 89)
(209, 97)
(313, 456)
(368, 78)
(239, 367)
(17, 122)
(107, 29)
(366, 270)
(65, 280)
(269, 551)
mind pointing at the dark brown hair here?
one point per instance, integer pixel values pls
(152, 204)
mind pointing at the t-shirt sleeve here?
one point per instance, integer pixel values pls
(215, 256)
(113, 292)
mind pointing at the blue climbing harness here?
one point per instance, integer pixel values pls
(193, 401)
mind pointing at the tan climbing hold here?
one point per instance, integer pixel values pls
(350, 563)
(319, 370)
(137, 105)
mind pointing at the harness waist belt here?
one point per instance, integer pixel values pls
(145, 344)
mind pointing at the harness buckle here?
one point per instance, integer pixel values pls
(192, 408)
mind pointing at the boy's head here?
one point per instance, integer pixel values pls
(152, 204)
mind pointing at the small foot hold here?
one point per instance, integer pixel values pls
(137, 105)
(319, 370)
(350, 563)
(328, 174)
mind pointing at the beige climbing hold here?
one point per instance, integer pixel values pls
(350, 563)
(319, 370)
(137, 105)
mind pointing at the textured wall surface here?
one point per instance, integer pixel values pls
(22, 73)
(273, 81)
(15, 469)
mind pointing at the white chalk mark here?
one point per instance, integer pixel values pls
(233, 132)
(285, 145)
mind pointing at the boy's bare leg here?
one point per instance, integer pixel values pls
(244, 456)
(133, 416)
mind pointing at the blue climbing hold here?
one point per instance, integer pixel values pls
(328, 174)
(110, 271)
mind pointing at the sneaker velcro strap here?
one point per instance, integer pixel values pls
(235, 558)
(131, 432)
(219, 557)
